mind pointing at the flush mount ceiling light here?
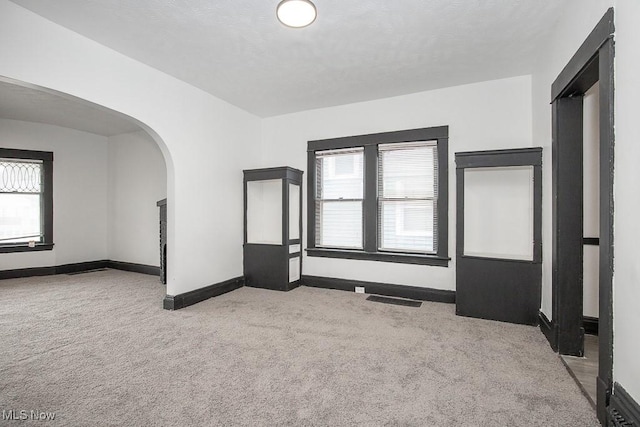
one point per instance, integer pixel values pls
(296, 13)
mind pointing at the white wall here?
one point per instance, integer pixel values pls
(626, 281)
(591, 152)
(571, 29)
(79, 192)
(137, 180)
(483, 116)
(205, 141)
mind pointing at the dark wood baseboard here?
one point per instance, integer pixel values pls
(623, 410)
(401, 291)
(176, 302)
(590, 325)
(27, 272)
(135, 268)
(79, 267)
(549, 330)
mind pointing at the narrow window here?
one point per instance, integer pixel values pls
(339, 198)
(26, 214)
(408, 197)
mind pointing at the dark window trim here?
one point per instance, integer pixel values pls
(370, 204)
(47, 198)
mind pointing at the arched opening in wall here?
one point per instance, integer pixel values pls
(108, 173)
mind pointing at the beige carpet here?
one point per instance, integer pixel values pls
(97, 349)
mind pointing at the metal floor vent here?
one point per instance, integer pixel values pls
(394, 301)
(87, 271)
(616, 419)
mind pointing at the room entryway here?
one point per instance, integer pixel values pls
(592, 64)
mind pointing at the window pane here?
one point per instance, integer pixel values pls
(339, 224)
(19, 218)
(340, 174)
(408, 170)
(407, 225)
(20, 176)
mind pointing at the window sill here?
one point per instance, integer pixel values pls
(380, 256)
(23, 247)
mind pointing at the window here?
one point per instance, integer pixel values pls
(380, 197)
(408, 197)
(26, 208)
(339, 197)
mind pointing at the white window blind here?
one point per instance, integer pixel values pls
(20, 201)
(339, 195)
(408, 197)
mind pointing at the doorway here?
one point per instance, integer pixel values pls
(592, 63)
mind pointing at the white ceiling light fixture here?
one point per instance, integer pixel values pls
(296, 13)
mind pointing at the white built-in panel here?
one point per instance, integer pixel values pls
(590, 288)
(294, 269)
(264, 212)
(294, 211)
(591, 192)
(498, 212)
(294, 249)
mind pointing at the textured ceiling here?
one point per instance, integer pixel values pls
(33, 105)
(356, 50)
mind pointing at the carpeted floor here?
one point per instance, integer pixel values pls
(97, 349)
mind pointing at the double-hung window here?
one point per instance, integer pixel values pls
(380, 197)
(339, 198)
(408, 197)
(26, 209)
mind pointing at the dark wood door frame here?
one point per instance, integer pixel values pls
(593, 62)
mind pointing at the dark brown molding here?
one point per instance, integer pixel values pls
(79, 267)
(387, 289)
(549, 330)
(176, 302)
(624, 411)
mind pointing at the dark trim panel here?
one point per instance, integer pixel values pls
(594, 61)
(486, 287)
(567, 223)
(590, 325)
(499, 158)
(591, 241)
(27, 272)
(565, 84)
(23, 247)
(549, 329)
(79, 267)
(49, 271)
(401, 291)
(176, 302)
(411, 135)
(379, 256)
(136, 268)
(624, 410)
(13, 153)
